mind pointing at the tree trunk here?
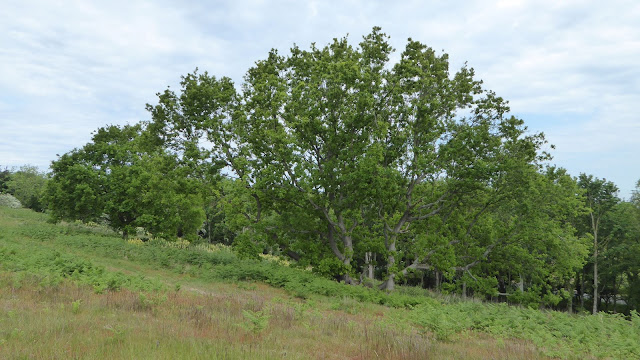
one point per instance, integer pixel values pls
(570, 300)
(464, 289)
(348, 279)
(521, 283)
(582, 290)
(595, 272)
(615, 295)
(632, 278)
(389, 284)
(331, 237)
(596, 296)
(294, 255)
(368, 258)
(348, 250)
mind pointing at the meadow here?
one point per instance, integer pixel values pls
(75, 291)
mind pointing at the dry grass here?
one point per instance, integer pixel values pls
(204, 320)
(72, 322)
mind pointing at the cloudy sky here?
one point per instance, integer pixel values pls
(570, 69)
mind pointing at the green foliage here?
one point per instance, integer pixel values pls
(256, 321)
(600, 197)
(335, 156)
(8, 200)
(621, 229)
(350, 149)
(122, 176)
(51, 267)
(635, 195)
(530, 298)
(600, 194)
(28, 186)
(75, 306)
(331, 268)
(557, 334)
(5, 176)
(346, 162)
(245, 246)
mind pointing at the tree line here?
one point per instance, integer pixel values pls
(370, 172)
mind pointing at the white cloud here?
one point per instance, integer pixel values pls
(569, 68)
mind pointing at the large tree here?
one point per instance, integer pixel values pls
(361, 141)
(368, 149)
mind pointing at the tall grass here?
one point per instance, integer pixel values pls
(71, 321)
(83, 292)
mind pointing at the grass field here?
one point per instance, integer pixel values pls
(70, 291)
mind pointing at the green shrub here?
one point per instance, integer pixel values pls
(256, 321)
(246, 248)
(331, 268)
(75, 306)
(8, 200)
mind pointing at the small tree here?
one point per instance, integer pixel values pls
(123, 177)
(28, 185)
(601, 197)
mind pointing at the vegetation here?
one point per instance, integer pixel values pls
(5, 175)
(367, 171)
(354, 170)
(95, 292)
(8, 200)
(27, 185)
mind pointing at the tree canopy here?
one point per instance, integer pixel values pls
(118, 177)
(363, 168)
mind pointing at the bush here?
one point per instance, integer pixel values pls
(7, 200)
(246, 248)
(331, 268)
(51, 267)
(28, 185)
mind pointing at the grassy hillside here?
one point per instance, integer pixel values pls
(72, 291)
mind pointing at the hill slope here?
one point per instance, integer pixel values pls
(73, 291)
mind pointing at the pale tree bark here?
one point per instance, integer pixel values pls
(582, 293)
(464, 289)
(570, 286)
(594, 224)
(521, 284)
(368, 259)
(389, 283)
(601, 197)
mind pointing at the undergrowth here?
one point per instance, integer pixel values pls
(32, 249)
